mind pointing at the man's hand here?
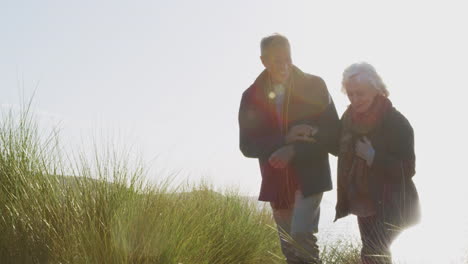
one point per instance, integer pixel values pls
(281, 158)
(365, 150)
(301, 133)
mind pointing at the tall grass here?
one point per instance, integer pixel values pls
(106, 213)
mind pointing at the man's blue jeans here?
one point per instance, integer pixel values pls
(300, 224)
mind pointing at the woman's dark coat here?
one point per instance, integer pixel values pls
(390, 181)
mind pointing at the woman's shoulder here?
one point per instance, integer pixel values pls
(394, 120)
(396, 117)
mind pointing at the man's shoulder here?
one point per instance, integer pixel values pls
(313, 87)
(312, 76)
(250, 91)
(256, 86)
(314, 81)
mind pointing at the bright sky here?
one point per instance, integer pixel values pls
(166, 78)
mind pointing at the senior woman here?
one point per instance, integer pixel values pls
(376, 163)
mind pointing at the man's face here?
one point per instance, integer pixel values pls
(277, 61)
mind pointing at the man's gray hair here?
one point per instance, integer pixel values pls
(273, 40)
(363, 72)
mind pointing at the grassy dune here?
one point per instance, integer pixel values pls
(106, 213)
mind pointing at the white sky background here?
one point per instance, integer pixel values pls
(166, 78)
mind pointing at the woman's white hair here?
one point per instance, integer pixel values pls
(363, 72)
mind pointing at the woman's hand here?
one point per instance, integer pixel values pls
(365, 150)
(301, 133)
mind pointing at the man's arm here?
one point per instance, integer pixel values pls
(326, 138)
(254, 140)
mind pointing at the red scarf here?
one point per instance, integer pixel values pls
(363, 123)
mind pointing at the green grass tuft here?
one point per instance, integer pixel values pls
(107, 213)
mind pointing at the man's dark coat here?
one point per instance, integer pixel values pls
(306, 101)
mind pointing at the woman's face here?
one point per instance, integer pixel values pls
(361, 95)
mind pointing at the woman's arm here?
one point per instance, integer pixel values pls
(399, 152)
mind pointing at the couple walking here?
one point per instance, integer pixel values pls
(288, 121)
